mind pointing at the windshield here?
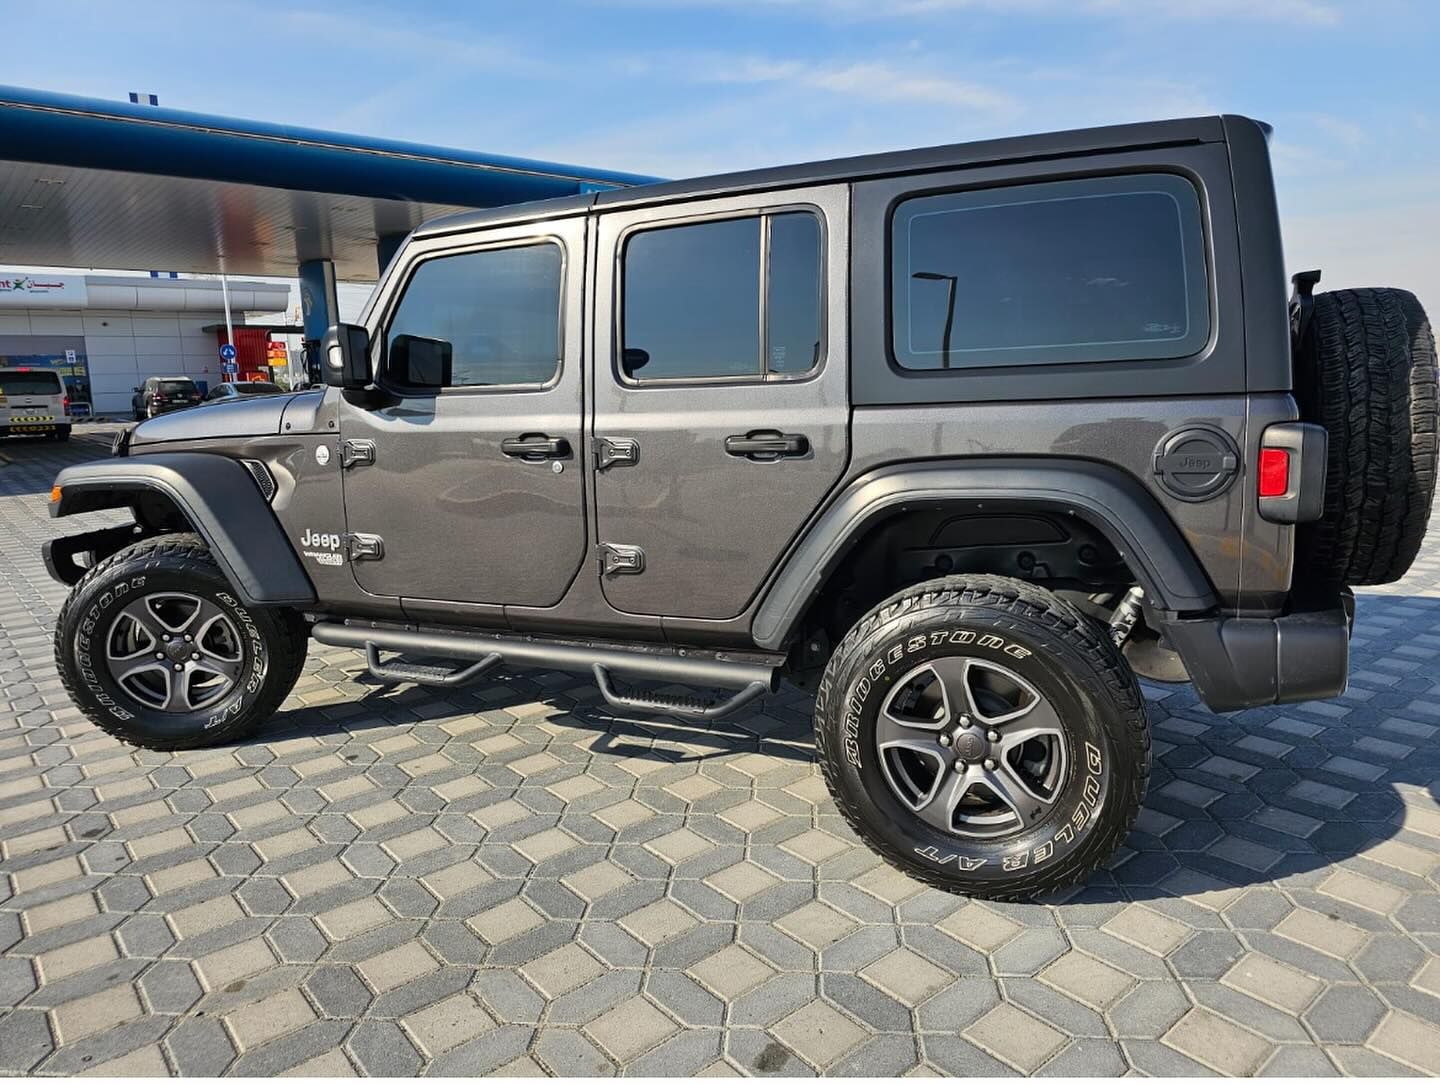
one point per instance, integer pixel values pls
(38, 383)
(257, 388)
(176, 388)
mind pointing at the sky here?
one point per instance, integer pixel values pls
(684, 87)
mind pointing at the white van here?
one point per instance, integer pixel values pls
(33, 401)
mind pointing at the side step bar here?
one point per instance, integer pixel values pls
(750, 678)
(690, 707)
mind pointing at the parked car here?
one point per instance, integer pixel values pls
(961, 439)
(33, 401)
(237, 389)
(161, 395)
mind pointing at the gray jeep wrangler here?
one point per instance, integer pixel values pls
(964, 439)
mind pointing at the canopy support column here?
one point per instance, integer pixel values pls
(319, 308)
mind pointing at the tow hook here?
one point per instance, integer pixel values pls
(1127, 613)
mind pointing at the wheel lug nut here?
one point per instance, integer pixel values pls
(194, 655)
(992, 736)
(944, 740)
(960, 766)
(165, 636)
(990, 763)
(159, 655)
(178, 667)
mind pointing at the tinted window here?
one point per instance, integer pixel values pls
(692, 299)
(793, 313)
(1099, 269)
(498, 311)
(37, 383)
(175, 388)
(257, 388)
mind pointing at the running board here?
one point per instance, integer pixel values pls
(750, 678)
(691, 708)
(419, 673)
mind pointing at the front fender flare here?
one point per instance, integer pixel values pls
(221, 501)
(1106, 498)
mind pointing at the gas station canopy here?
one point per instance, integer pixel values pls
(92, 183)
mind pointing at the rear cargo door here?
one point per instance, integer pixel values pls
(30, 398)
(720, 393)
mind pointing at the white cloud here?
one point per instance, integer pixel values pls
(1380, 245)
(1346, 132)
(1303, 12)
(871, 81)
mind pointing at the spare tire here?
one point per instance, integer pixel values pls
(1366, 372)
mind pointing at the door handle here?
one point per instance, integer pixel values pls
(535, 447)
(767, 444)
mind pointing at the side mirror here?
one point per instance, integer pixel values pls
(346, 354)
(415, 361)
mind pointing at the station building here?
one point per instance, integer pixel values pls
(104, 334)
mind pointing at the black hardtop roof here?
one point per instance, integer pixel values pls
(983, 152)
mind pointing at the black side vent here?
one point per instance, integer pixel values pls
(261, 474)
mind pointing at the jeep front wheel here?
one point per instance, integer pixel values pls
(983, 736)
(155, 648)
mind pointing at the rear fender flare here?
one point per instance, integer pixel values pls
(219, 499)
(1106, 498)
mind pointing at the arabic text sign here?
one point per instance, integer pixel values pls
(38, 291)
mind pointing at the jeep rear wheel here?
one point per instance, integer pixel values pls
(983, 736)
(155, 648)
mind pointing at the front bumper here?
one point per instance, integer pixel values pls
(1245, 662)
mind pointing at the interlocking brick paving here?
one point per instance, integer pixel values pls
(515, 879)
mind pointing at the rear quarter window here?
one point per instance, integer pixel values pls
(15, 383)
(1086, 270)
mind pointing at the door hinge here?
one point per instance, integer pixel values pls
(617, 559)
(612, 450)
(354, 452)
(362, 547)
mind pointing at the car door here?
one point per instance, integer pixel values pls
(721, 409)
(470, 492)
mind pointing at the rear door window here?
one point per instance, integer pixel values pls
(728, 298)
(38, 383)
(1087, 270)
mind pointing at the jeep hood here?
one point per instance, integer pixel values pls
(254, 416)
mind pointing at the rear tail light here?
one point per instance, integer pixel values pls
(65, 404)
(1274, 474)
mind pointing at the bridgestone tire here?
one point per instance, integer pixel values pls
(1368, 375)
(1064, 657)
(271, 653)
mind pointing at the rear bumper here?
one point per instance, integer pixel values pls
(1244, 662)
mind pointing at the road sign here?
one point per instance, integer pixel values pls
(229, 368)
(227, 352)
